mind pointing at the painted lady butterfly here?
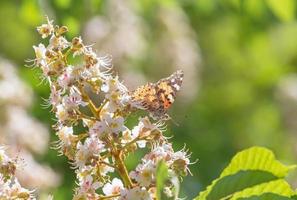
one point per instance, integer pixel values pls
(157, 98)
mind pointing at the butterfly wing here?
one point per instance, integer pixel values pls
(167, 89)
(144, 97)
(157, 98)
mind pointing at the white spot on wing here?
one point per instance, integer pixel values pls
(170, 97)
(176, 86)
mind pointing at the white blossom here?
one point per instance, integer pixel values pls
(144, 174)
(65, 135)
(58, 43)
(114, 187)
(46, 29)
(61, 113)
(40, 51)
(87, 184)
(139, 193)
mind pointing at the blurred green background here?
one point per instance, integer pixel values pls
(239, 58)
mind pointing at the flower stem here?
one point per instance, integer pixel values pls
(127, 145)
(108, 164)
(121, 168)
(108, 197)
(91, 105)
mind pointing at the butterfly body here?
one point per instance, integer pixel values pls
(158, 97)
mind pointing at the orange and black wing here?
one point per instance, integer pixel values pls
(157, 98)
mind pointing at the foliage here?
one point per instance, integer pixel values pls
(161, 178)
(252, 174)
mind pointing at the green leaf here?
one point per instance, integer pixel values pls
(279, 187)
(248, 169)
(236, 182)
(267, 196)
(257, 158)
(284, 9)
(162, 177)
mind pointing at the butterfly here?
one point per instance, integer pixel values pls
(157, 98)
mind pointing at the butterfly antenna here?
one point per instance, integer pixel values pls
(173, 121)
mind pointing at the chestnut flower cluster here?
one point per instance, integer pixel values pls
(10, 187)
(91, 106)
